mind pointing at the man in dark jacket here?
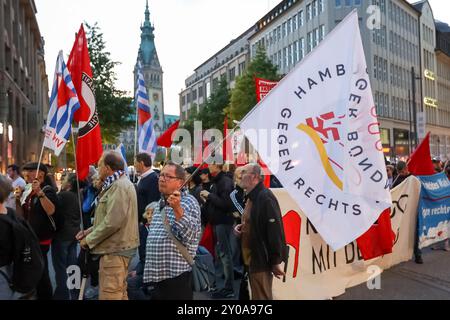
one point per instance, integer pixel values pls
(147, 187)
(263, 241)
(219, 209)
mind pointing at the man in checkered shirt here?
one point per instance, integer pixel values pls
(165, 268)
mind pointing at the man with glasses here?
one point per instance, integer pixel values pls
(166, 270)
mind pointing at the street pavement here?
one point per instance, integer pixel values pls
(410, 281)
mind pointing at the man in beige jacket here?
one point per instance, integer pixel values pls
(114, 235)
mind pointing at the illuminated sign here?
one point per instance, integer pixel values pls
(429, 74)
(430, 102)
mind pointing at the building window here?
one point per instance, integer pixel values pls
(289, 26)
(308, 12)
(295, 53)
(232, 74)
(194, 95)
(316, 37)
(348, 3)
(375, 67)
(338, 3)
(301, 50)
(309, 42)
(279, 33)
(357, 2)
(200, 92)
(314, 8)
(208, 90)
(294, 23)
(321, 32)
(285, 58)
(291, 56)
(241, 67)
(301, 17)
(321, 6)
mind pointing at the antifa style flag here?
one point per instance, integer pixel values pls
(89, 144)
(227, 148)
(63, 103)
(165, 140)
(420, 161)
(327, 153)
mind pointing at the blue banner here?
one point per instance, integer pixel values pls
(434, 209)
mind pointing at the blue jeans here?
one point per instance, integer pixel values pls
(225, 254)
(64, 254)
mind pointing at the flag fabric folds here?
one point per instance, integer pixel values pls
(420, 163)
(326, 148)
(89, 147)
(146, 133)
(165, 140)
(263, 87)
(63, 104)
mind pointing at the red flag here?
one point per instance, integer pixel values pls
(420, 161)
(207, 240)
(227, 149)
(266, 172)
(292, 223)
(263, 87)
(89, 146)
(165, 140)
(379, 239)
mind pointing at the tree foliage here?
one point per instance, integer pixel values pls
(243, 96)
(114, 107)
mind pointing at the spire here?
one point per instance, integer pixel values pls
(147, 13)
(147, 48)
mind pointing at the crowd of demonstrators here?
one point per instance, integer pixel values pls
(219, 213)
(64, 245)
(114, 235)
(37, 205)
(175, 225)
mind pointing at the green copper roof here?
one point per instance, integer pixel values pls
(147, 48)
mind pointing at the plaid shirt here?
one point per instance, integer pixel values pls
(163, 260)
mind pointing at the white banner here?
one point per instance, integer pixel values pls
(323, 273)
(327, 150)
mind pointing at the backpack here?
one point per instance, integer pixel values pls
(28, 262)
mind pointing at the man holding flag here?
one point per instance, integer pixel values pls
(327, 155)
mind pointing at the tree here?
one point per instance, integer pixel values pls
(212, 113)
(114, 107)
(243, 96)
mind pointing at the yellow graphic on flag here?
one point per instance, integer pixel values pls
(323, 154)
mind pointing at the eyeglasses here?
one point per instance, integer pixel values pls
(167, 177)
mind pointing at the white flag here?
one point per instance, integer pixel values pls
(322, 121)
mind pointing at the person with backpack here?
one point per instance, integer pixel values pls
(21, 262)
(64, 245)
(37, 204)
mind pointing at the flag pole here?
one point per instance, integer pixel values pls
(204, 160)
(40, 160)
(135, 137)
(85, 275)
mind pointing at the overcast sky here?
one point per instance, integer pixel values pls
(187, 32)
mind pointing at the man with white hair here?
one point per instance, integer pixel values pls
(263, 241)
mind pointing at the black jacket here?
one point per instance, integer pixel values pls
(6, 240)
(38, 218)
(218, 206)
(147, 192)
(69, 211)
(267, 240)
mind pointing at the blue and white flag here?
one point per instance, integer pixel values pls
(121, 150)
(146, 133)
(63, 104)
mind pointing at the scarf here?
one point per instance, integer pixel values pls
(108, 183)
